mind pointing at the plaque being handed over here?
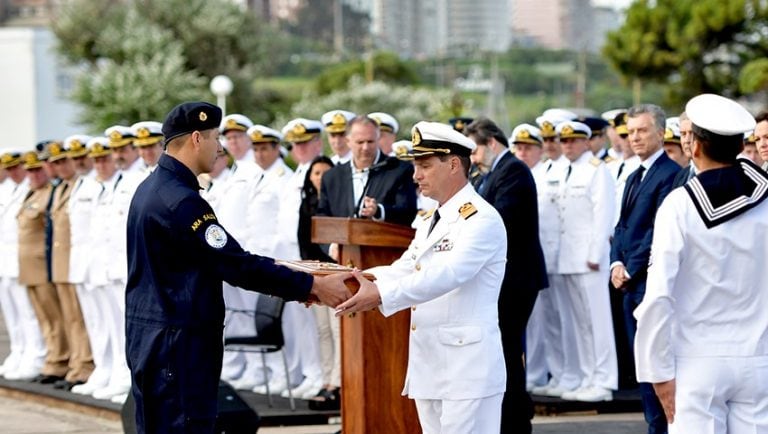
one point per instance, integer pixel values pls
(318, 268)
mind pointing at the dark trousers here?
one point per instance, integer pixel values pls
(514, 310)
(654, 413)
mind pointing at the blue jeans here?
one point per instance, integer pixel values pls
(654, 413)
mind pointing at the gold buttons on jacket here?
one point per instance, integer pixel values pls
(413, 327)
(413, 307)
(418, 267)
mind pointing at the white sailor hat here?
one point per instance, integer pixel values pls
(236, 122)
(77, 142)
(98, 147)
(119, 136)
(573, 130)
(262, 134)
(436, 138)
(402, 147)
(336, 121)
(147, 133)
(526, 134)
(672, 130)
(301, 130)
(386, 122)
(719, 115)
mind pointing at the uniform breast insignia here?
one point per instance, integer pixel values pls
(215, 236)
(444, 245)
(608, 159)
(467, 210)
(428, 214)
(595, 161)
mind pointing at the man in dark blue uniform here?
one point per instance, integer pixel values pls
(178, 256)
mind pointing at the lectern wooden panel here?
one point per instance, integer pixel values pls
(374, 349)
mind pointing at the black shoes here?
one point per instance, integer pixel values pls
(47, 379)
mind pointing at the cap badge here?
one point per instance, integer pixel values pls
(98, 148)
(256, 135)
(523, 134)
(416, 137)
(668, 134)
(567, 130)
(459, 125)
(299, 129)
(339, 119)
(6, 158)
(55, 149)
(401, 151)
(547, 128)
(30, 158)
(377, 119)
(143, 133)
(115, 135)
(203, 117)
(231, 123)
(215, 236)
(75, 145)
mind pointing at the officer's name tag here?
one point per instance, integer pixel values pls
(206, 217)
(444, 245)
(215, 236)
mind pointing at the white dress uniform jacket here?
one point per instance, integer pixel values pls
(451, 280)
(586, 212)
(10, 202)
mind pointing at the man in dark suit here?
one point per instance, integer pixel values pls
(510, 188)
(371, 184)
(644, 191)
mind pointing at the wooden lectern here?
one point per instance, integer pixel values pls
(374, 349)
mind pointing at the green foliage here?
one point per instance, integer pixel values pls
(693, 46)
(121, 44)
(386, 67)
(407, 104)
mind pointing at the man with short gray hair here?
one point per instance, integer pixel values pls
(644, 191)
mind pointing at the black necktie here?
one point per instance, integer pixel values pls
(621, 169)
(435, 218)
(633, 186)
(568, 175)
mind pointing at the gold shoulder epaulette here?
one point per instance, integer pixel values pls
(608, 159)
(280, 171)
(595, 161)
(427, 214)
(467, 210)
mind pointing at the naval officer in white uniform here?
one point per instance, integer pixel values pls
(702, 329)
(450, 278)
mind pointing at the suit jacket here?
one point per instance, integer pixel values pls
(393, 188)
(632, 237)
(449, 278)
(681, 178)
(33, 267)
(511, 189)
(61, 231)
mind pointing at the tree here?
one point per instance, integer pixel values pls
(385, 67)
(141, 57)
(693, 46)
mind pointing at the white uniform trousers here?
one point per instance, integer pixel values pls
(606, 371)
(301, 344)
(466, 416)
(721, 395)
(27, 347)
(98, 334)
(113, 303)
(577, 339)
(536, 368)
(235, 324)
(329, 337)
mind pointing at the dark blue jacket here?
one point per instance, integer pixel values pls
(632, 237)
(178, 256)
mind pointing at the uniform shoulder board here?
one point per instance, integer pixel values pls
(608, 159)
(467, 210)
(427, 214)
(280, 171)
(595, 161)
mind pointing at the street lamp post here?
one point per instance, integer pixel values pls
(221, 86)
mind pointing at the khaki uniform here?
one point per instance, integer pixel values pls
(81, 359)
(33, 274)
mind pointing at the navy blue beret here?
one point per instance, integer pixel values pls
(595, 124)
(190, 116)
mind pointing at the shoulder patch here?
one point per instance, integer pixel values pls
(427, 214)
(608, 159)
(595, 161)
(467, 210)
(215, 236)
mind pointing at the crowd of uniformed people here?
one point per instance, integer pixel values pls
(64, 208)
